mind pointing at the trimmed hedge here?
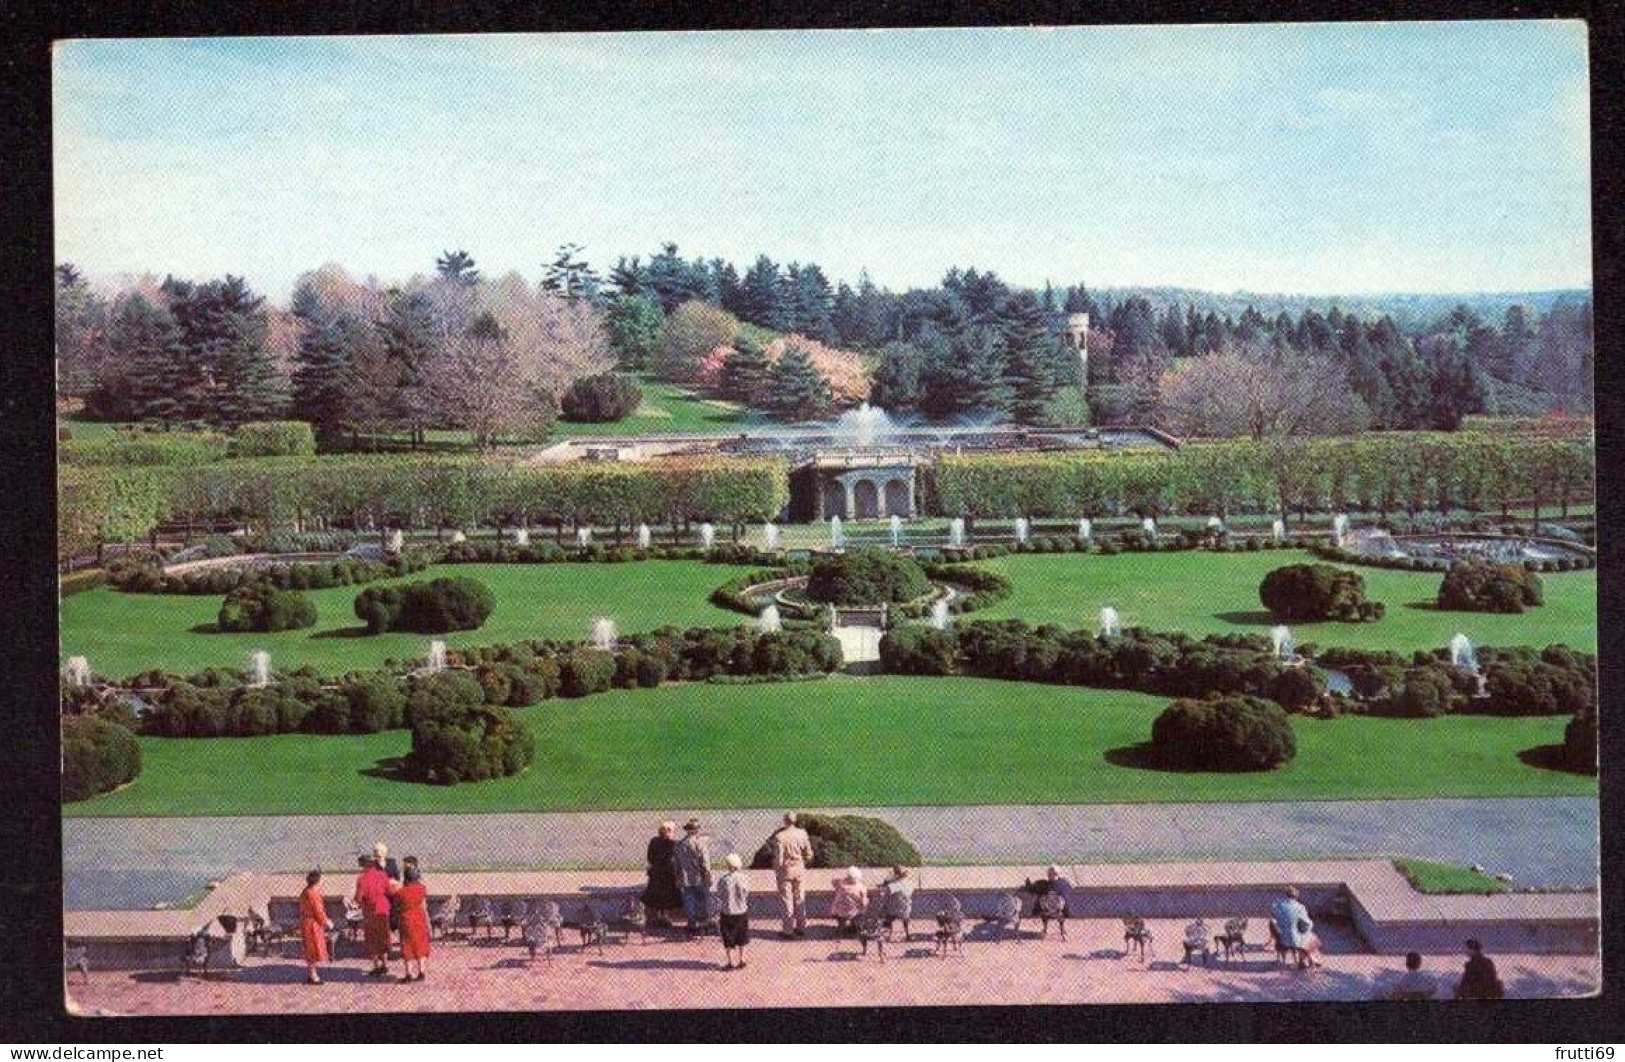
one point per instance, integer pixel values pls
(840, 841)
(458, 737)
(97, 756)
(273, 438)
(867, 576)
(1311, 592)
(145, 575)
(1479, 586)
(434, 607)
(1232, 733)
(260, 607)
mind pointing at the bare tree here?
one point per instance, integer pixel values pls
(1254, 390)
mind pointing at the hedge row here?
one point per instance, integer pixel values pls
(1377, 472)
(435, 607)
(145, 575)
(1327, 551)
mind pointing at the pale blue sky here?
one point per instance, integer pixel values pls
(1323, 158)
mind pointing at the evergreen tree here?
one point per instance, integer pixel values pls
(635, 323)
(410, 337)
(150, 383)
(746, 371)
(457, 267)
(764, 295)
(1518, 343)
(896, 381)
(223, 350)
(1034, 363)
(807, 298)
(796, 390)
(323, 375)
(629, 276)
(81, 320)
(569, 274)
(730, 292)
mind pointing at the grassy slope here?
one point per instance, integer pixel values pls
(125, 633)
(666, 408)
(847, 741)
(1427, 876)
(1208, 593)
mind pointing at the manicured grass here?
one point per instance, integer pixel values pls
(842, 742)
(1446, 878)
(1217, 593)
(666, 408)
(123, 633)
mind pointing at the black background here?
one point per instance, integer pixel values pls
(30, 867)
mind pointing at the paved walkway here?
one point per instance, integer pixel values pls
(133, 863)
(820, 970)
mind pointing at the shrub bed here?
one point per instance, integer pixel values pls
(1230, 733)
(1479, 586)
(1311, 592)
(97, 756)
(145, 575)
(262, 607)
(600, 398)
(434, 607)
(866, 576)
(840, 841)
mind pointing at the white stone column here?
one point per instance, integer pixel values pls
(851, 499)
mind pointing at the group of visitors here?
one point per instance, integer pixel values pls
(1479, 978)
(680, 879)
(392, 898)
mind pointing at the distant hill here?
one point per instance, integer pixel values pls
(1411, 311)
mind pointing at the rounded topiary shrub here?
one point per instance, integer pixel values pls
(1231, 733)
(262, 607)
(374, 700)
(434, 607)
(457, 737)
(1310, 592)
(867, 576)
(585, 671)
(1294, 688)
(97, 756)
(1479, 586)
(603, 397)
(918, 650)
(849, 841)
(1422, 693)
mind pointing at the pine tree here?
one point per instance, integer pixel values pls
(1031, 351)
(410, 338)
(746, 371)
(457, 267)
(151, 384)
(763, 295)
(324, 373)
(569, 274)
(807, 297)
(232, 375)
(979, 376)
(795, 388)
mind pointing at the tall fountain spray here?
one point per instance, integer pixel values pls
(863, 426)
(583, 537)
(1340, 529)
(259, 668)
(896, 531)
(521, 536)
(644, 536)
(1462, 655)
(1086, 529)
(1281, 640)
(770, 537)
(395, 541)
(1111, 624)
(956, 532)
(1022, 529)
(708, 535)
(834, 620)
(1215, 524)
(837, 537)
(77, 671)
(1149, 524)
(768, 621)
(437, 656)
(604, 635)
(1278, 529)
(939, 614)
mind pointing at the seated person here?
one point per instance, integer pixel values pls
(1478, 978)
(1414, 985)
(850, 898)
(1293, 929)
(899, 896)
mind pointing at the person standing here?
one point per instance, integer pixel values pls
(372, 896)
(661, 896)
(792, 853)
(314, 924)
(412, 899)
(733, 892)
(692, 862)
(1479, 979)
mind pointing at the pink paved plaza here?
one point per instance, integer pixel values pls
(671, 972)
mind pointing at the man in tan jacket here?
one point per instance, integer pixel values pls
(792, 851)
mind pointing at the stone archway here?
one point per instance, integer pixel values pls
(835, 501)
(866, 500)
(897, 500)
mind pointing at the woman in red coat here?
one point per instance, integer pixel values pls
(313, 924)
(413, 897)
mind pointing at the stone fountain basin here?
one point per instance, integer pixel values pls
(783, 593)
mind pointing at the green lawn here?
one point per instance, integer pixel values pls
(1217, 593)
(843, 742)
(666, 408)
(123, 633)
(1425, 875)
